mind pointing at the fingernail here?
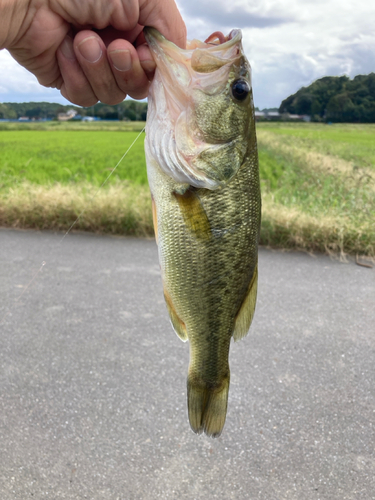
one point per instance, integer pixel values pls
(90, 49)
(67, 48)
(121, 59)
(148, 65)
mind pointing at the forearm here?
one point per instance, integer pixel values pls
(12, 17)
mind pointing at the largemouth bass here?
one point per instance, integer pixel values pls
(202, 167)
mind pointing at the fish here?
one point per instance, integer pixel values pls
(203, 174)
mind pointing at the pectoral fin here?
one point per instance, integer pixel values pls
(178, 325)
(245, 314)
(194, 214)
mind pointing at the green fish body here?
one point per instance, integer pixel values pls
(202, 166)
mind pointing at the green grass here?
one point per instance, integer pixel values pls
(51, 172)
(353, 143)
(314, 199)
(68, 156)
(318, 182)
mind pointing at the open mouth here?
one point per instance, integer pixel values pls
(216, 39)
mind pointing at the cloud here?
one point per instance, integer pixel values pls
(230, 15)
(326, 39)
(290, 43)
(14, 77)
(17, 84)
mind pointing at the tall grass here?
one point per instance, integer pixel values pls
(122, 208)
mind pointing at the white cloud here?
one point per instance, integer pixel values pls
(14, 77)
(289, 43)
(17, 84)
(303, 40)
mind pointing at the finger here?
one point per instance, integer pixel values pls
(75, 87)
(131, 78)
(146, 60)
(166, 18)
(92, 57)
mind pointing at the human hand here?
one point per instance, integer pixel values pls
(90, 50)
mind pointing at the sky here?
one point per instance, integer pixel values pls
(289, 43)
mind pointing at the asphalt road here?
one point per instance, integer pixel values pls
(92, 380)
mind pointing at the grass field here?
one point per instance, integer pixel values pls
(318, 186)
(318, 181)
(68, 156)
(353, 143)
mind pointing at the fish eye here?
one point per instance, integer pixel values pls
(240, 89)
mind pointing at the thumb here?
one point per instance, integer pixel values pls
(165, 17)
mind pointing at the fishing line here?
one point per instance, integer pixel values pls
(100, 187)
(29, 284)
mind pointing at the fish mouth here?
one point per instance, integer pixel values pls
(201, 57)
(154, 38)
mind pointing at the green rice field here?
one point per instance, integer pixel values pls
(70, 156)
(318, 182)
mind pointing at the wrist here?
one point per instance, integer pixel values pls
(12, 16)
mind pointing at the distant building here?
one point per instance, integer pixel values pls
(69, 115)
(276, 116)
(259, 115)
(267, 115)
(273, 115)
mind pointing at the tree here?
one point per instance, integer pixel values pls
(335, 99)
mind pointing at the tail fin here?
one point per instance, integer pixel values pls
(207, 406)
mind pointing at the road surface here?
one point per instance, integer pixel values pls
(92, 379)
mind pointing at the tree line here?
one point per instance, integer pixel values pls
(335, 99)
(329, 99)
(127, 110)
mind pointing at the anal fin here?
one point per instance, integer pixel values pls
(245, 314)
(178, 325)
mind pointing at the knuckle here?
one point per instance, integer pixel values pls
(112, 101)
(84, 101)
(109, 93)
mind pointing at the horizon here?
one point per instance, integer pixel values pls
(81, 107)
(68, 103)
